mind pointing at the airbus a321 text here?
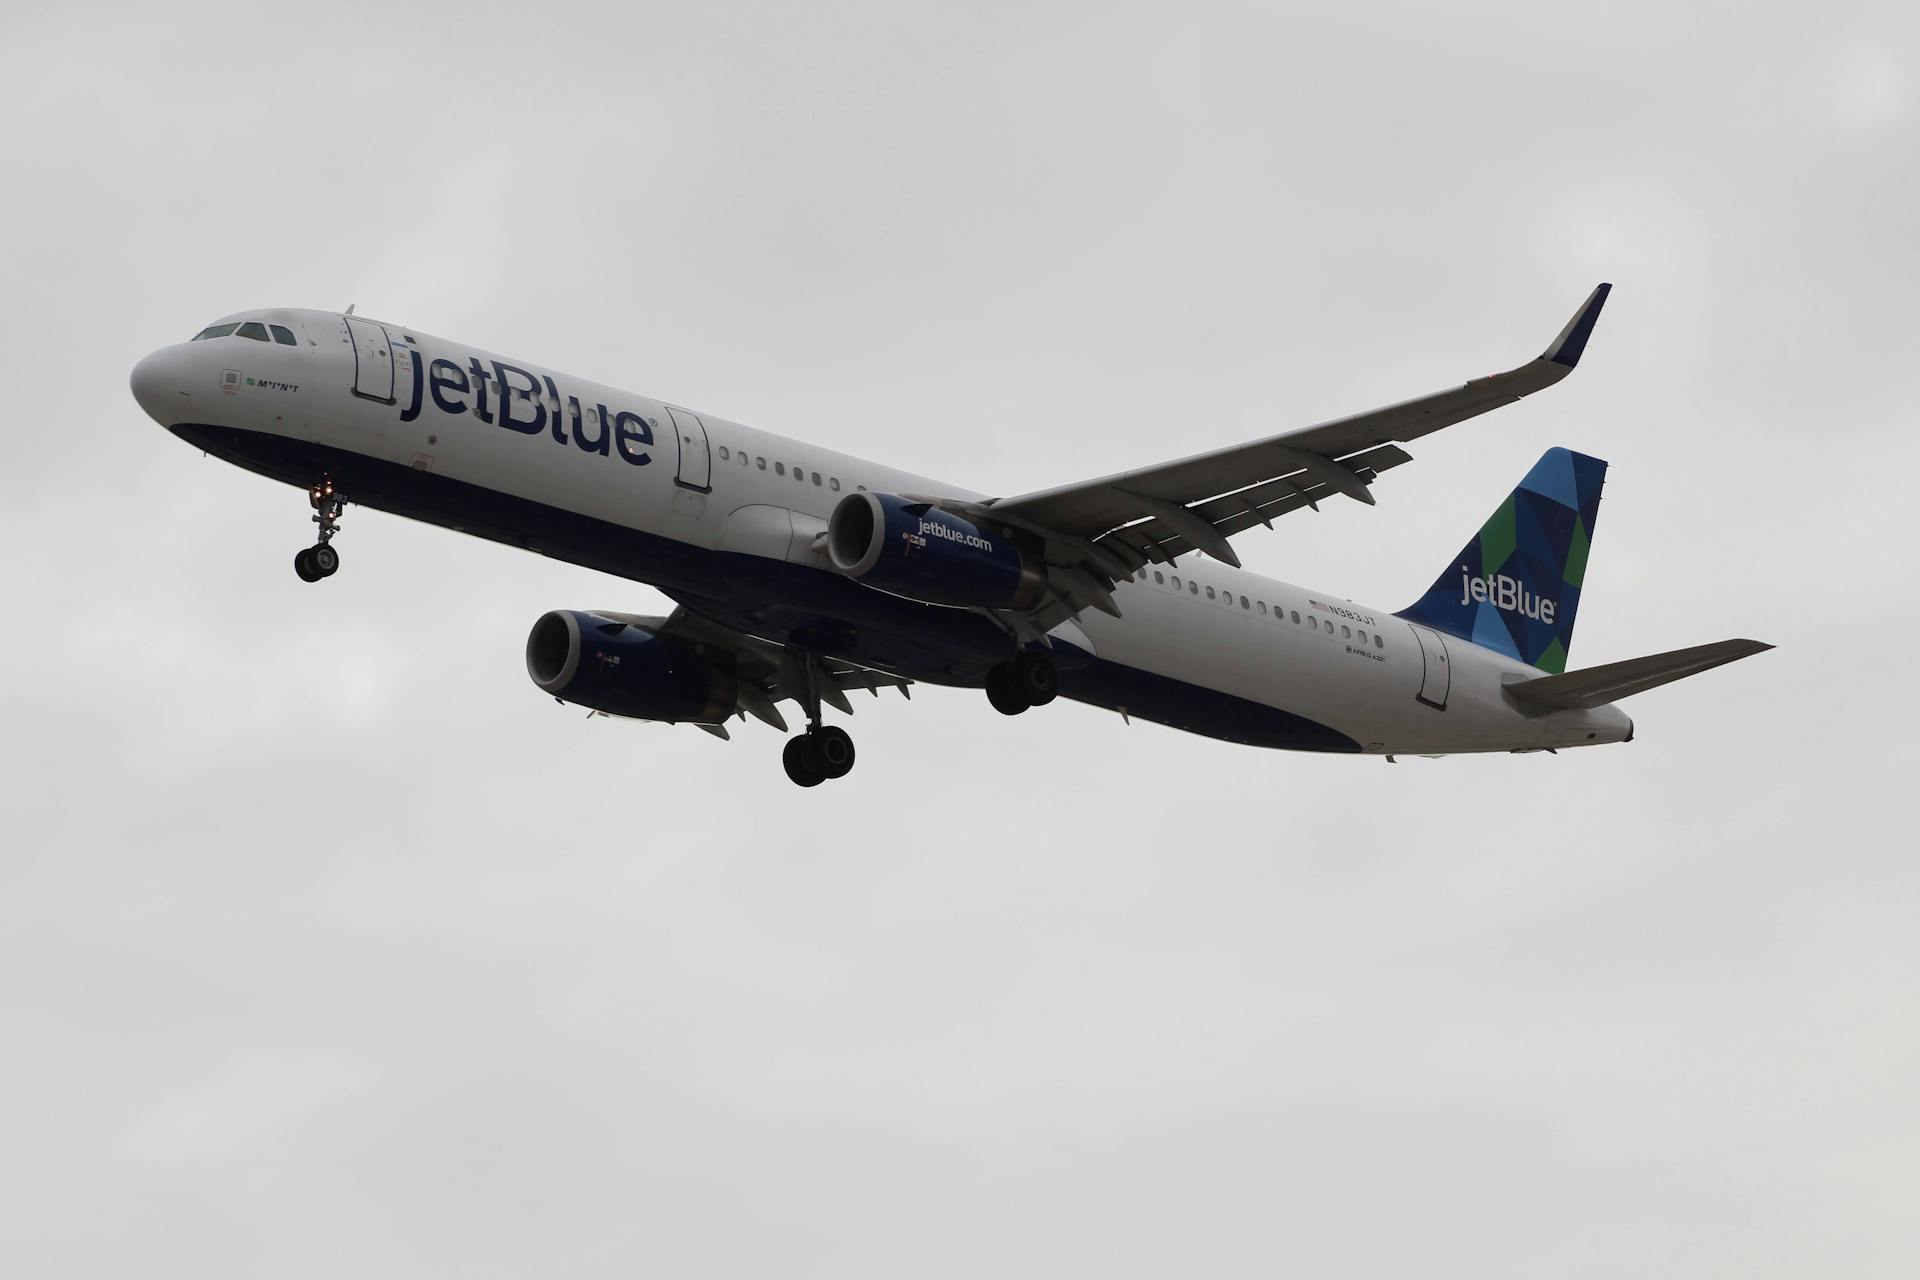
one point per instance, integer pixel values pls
(802, 574)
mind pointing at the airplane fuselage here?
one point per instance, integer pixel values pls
(728, 520)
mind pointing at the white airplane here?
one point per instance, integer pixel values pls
(802, 573)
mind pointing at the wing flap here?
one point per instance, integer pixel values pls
(1233, 513)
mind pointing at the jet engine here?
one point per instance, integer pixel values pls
(627, 669)
(914, 549)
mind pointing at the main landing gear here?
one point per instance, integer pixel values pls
(818, 754)
(1029, 680)
(822, 752)
(320, 560)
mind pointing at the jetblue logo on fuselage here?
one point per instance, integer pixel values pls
(508, 396)
(1505, 593)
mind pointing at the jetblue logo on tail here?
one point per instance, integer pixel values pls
(1502, 592)
(1516, 587)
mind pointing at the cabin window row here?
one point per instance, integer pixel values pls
(1259, 609)
(758, 461)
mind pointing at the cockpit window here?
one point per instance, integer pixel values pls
(283, 335)
(215, 331)
(255, 330)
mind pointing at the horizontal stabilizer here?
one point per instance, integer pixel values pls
(1597, 686)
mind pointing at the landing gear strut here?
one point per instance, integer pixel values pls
(1030, 680)
(822, 752)
(320, 560)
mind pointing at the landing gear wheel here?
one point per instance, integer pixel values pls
(304, 566)
(800, 767)
(1000, 692)
(1036, 679)
(833, 749)
(324, 559)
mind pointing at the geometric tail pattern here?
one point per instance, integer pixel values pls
(1516, 587)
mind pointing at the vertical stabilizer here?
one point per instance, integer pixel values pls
(1515, 588)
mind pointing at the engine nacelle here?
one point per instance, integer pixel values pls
(627, 669)
(917, 550)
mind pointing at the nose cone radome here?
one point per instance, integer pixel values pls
(160, 385)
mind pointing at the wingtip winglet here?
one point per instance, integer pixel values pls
(1567, 348)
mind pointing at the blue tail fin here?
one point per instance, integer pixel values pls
(1516, 587)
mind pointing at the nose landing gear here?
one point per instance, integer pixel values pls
(320, 560)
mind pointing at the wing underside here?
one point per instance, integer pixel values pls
(767, 673)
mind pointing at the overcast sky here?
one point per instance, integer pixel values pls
(329, 946)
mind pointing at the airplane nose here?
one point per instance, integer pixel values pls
(160, 385)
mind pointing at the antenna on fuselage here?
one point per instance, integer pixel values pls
(349, 310)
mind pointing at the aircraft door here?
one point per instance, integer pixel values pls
(1435, 676)
(696, 459)
(372, 360)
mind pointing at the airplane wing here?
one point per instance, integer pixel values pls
(1597, 686)
(1121, 522)
(767, 672)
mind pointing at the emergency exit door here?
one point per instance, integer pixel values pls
(696, 460)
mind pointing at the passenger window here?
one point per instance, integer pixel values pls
(1263, 608)
(283, 335)
(743, 459)
(1159, 578)
(1210, 593)
(1296, 617)
(1313, 624)
(1346, 632)
(1363, 637)
(1193, 588)
(255, 330)
(761, 463)
(833, 483)
(1244, 605)
(779, 468)
(1176, 582)
(1378, 643)
(799, 474)
(215, 331)
(816, 478)
(724, 455)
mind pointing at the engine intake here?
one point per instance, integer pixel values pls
(627, 669)
(917, 550)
